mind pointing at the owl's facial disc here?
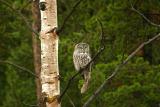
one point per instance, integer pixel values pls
(82, 47)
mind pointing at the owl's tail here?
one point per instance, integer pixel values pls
(87, 77)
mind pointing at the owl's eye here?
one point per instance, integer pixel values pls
(80, 47)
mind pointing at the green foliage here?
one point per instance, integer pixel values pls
(137, 84)
(17, 86)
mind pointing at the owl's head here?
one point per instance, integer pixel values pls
(82, 47)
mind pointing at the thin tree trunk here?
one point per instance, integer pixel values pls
(36, 46)
(49, 53)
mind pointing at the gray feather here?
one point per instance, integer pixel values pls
(81, 57)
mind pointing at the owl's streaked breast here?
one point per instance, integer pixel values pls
(81, 56)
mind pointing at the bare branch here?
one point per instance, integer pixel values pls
(96, 93)
(20, 67)
(102, 47)
(70, 100)
(143, 16)
(68, 16)
(140, 47)
(22, 17)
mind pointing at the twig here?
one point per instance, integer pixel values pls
(143, 16)
(22, 17)
(68, 84)
(70, 100)
(95, 94)
(68, 16)
(102, 45)
(140, 47)
(19, 67)
(93, 59)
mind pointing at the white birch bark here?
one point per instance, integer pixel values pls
(49, 53)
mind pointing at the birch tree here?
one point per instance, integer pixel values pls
(49, 53)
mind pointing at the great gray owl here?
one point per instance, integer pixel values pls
(81, 57)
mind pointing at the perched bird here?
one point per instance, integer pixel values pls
(81, 57)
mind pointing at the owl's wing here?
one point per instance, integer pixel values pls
(75, 61)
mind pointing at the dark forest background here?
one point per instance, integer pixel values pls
(137, 84)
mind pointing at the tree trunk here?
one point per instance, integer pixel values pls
(36, 46)
(49, 53)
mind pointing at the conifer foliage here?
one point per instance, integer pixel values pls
(137, 84)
